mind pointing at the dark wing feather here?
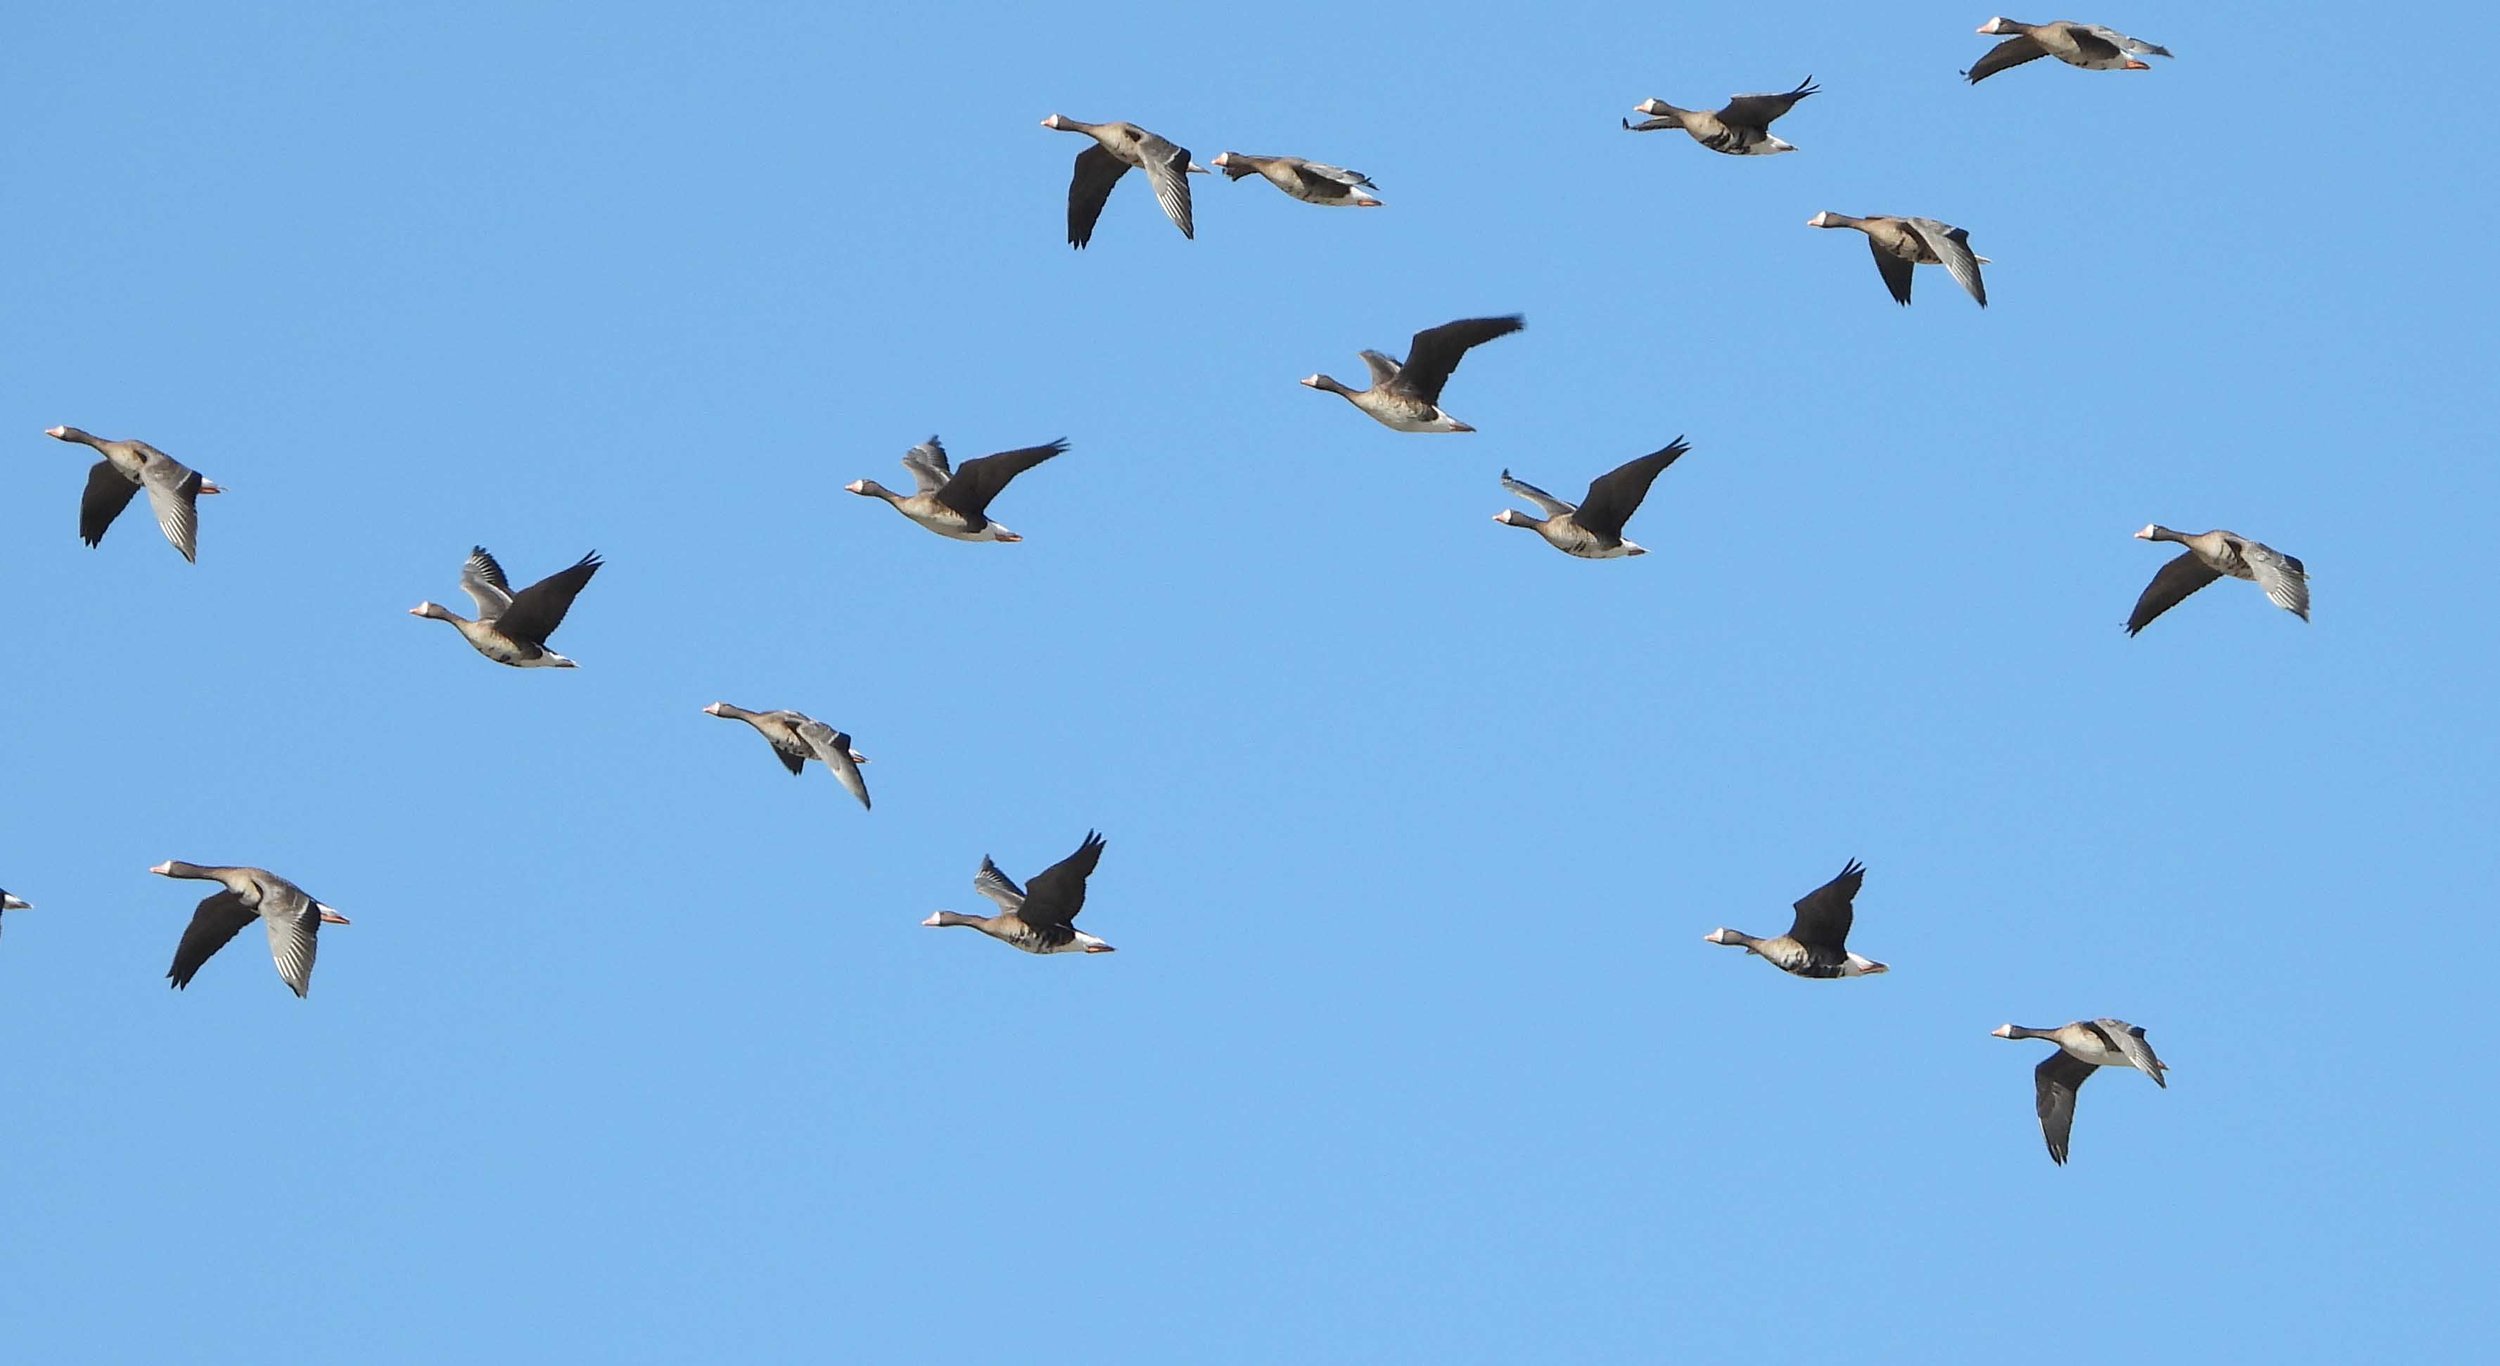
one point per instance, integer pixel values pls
(1825, 914)
(1616, 494)
(2058, 1077)
(108, 492)
(2169, 588)
(1096, 172)
(215, 924)
(976, 482)
(537, 610)
(1436, 351)
(2012, 52)
(1057, 893)
(1895, 270)
(1757, 111)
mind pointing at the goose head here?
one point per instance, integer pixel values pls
(943, 919)
(1514, 517)
(1324, 384)
(1828, 219)
(2155, 531)
(65, 434)
(870, 488)
(2001, 24)
(2009, 1031)
(1731, 938)
(435, 610)
(1655, 108)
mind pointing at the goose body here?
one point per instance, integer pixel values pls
(512, 628)
(797, 738)
(1041, 919)
(2211, 555)
(1593, 530)
(1311, 182)
(1406, 396)
(2089, 46)
(1900, 244)
(174, 489)
(292, 917)
(1117, 147)
(1742, 128)
(1817, 943)
(953, 502)
(2084, 1047)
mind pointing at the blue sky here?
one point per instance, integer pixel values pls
(1412, 1051)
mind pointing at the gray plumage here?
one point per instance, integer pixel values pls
(2211, 555)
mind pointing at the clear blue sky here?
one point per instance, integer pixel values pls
(1412, 1051)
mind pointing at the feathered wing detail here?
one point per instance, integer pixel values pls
(928, 465)
(2129, 1040)
(2170, 587)
(997, 886)
(482, 579)
(2285, 580)
(293, 937)
(174, 492)
(108, 492)
(2012, 52)
(1057, 893)
(214, 925)
(1952, 247)
(1896, 271)
(973, 486)
(1435, 352)
(1824, 915)
(536, 611)
(1615, 495)
(1545, 502)
(2054, 1084)
(1759, 110)
(2124, 43)
(834, 748)
(1096, 172)
(1167, 169)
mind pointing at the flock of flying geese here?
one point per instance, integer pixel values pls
(511, 627)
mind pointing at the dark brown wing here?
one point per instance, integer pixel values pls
(108, 492)
(1757, 111)
(1616, 494)
(2013, 51)
(1096, 172)
(2056, 1080)
(1436, 351)
(1825, 914)
(1057, 893)
(218, 920)
(2169, 588)
(537, 610)
(976, 482)
(1894, 269)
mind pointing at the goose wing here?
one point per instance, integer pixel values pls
(1167, 169)
(1436, 351)
(108, 492)
(174, 492)
(2124, 43)
(978, 481)
(1096, 172)
(293, 936)
(1825, 914)
(1315, 173)
(1615, 495)
(997, 886)
(2129, 1040)
(482, 579)
(1952, 247)
(1896, 271)
(2170, 587)
(1758, 110)
(2012, 52)
(1545, 502)
(537, 610)
(217, 921)
(834, 748)
(2055, 1081)
(928, 465)
(1057, 893)
(2285, 580)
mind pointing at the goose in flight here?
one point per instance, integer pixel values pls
(512, 628)
(797, 738)
(1817, 943)
(293, 919)
(1593, 530)
(2084, 1047)
(1742, 129)
(1311, 182)
(2089, 46)
(174, 489)
(1900, 244)
(1117, 147)
(1041, 919)
(1407, 397)
(953, 502)
(2209, 556)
